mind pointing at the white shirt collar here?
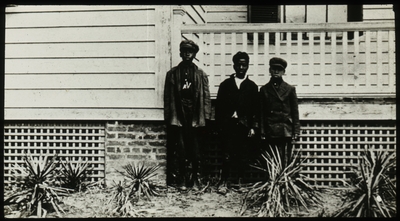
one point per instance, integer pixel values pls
(239, 81)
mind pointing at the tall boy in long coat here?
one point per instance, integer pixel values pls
(235, 113)
(187, 106)
(280, 123)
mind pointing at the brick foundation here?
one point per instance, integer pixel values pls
(134, 142)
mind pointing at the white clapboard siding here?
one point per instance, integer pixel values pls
(81, 18)
(79, 65)
(60, 98)
(226, 13)
(71, 8)
(378, 12)
(93, 50)
(80, 113)
(60, 59)
(80, 34)
(79, 81)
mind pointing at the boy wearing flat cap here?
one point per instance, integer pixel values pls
(279, 113)
(187, 106)
(235, 113)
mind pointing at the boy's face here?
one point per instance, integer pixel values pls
(241, 68)
(187, 54)
(276, 71)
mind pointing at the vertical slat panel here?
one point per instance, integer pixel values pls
(334, 74)
(289, 47)
(368, 58)
(244, 41)
(233, 46)
(223, 55)
(300, 78)
(391, 60)
(344, 59)
(212, 61)
(277, 44)
(379, 44)
(322, 63)
(266, 50)
(356, 57)
(255, 55)
(312, 77)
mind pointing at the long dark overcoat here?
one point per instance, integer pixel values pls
(173, 109)
(279, 113)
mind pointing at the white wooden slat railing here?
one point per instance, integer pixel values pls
(354, 59)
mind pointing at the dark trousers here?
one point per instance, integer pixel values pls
(235, 146)
(184, 152)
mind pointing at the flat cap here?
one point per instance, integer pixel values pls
(189, 44)
(278, 62)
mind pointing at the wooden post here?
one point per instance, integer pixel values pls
(163, 50)
(177, 14)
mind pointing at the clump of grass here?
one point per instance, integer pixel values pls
(35, 182)
(371, 192)
(139, 177)
(121, 202)
(75, 175)
(136, 183)
(285, 189)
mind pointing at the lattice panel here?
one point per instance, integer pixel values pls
(332, 147)
(77, 141)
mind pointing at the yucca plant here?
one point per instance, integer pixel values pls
(371, 192)
(120, 202)
(285, 188)
(139, 176)
(36, 180)
(75, 175)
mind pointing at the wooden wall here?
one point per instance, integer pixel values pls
(85, 62)
(226, 13)
(238, 13)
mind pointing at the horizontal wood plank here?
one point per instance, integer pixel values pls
(68, 8)
(83, 34)
(83, 18)
(95, 49)
(80, 81)
(225, 8)
(347, 111)
(378, 14)
(83, 65)
(83, 114)
(101, 98)
(235, 17)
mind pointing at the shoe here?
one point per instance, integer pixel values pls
(196, 185)
(222, 190)
(181, 187)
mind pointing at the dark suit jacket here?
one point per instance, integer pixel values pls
(173, 109)
(230, 99)
(279, 113)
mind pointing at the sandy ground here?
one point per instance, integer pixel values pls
(172, 203)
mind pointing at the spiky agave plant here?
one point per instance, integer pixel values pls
(284, 189)
(371, 193)
(139, 176)
(120, 203)
(36, 179)
(75, 175)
